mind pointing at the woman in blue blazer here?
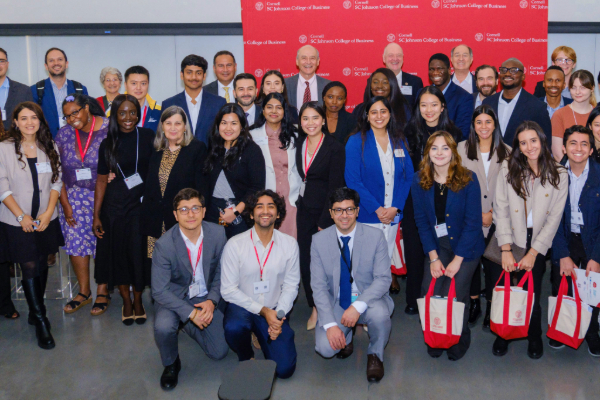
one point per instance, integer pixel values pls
(447, 201)
(379, 168)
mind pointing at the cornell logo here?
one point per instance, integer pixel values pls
(519, 314)
(258, 73)
(479, 37)
(437, 321)
(523, 3)
(346, 71)
(303, 39)
(435, 4)
(391, 37)
(259, 6)
(347, 4)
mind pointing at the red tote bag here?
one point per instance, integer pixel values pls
(398, 261)
(448, 330)
(511, 312)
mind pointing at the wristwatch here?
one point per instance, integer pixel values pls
(20, 217)
(215, 303)
(236, 212)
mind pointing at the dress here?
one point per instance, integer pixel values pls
(80, 241)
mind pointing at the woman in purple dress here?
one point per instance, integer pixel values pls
(78, 144)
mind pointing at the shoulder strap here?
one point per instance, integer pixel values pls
(40, 87)
(78, 86)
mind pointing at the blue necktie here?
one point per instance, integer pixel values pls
(345, 285)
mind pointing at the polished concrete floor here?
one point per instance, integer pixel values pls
(100, 358)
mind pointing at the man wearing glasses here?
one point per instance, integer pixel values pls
(186, 285)
(565, 58)
(11, 92)
(350, 279)
(514, 105)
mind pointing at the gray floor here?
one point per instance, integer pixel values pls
(100, 358)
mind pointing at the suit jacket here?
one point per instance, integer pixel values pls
(292, 89)
(185, 173)
(209, 108)
(17, 93)
(172, 271)
(473, 83)
(213, 88)
(566, 100)
(463, 219)
(460, 107)
(346, 125)
(528, 108)
(326, 173)
(415, 83)
(539, 90)
(370, 267)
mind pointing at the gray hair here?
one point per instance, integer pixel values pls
(160, 141)
(308, 45)
(110, 70)
(462, 44)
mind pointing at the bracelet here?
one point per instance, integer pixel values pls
(506, 251)
(434, 260)
(530, 253)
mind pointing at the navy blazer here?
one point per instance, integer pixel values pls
(463, 219)
(365, 175)
(589, 203)
(17, 93)
(566, 101)
(416, 85)
(460, 107)
(209, 108)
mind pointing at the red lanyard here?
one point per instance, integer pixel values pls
(307, 165)
(197, 260)
(82, 151)
(144, 118)
(262, 268)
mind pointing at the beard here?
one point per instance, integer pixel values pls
(55, 75)
(486, 91)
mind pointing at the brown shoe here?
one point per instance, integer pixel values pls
(374, 368)
(346, 351)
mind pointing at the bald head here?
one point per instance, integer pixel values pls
(393, 57)
(462, 58)
(514, 61)
(307, 60)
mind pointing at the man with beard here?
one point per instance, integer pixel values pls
(513, 105)
(244, 87)
(307, 85)
(200, 106)
(260, 275)
(486, 79)
(51, 93)
(554, 83)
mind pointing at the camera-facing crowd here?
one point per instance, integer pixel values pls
(228, 195)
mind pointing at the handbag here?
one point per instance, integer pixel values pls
(493, 251)
(512, 307)
(398, 260)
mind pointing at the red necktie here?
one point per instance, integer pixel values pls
(306, 94)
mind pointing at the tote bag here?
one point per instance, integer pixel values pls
(511, 307)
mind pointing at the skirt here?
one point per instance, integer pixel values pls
(80, 240)
(18, 246)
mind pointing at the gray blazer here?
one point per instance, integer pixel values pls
(17, 93)
(172, 272)
(370, 267)
(292, 89)
(213, 88)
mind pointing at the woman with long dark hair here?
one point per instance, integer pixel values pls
(120, 249)
(531, 192)
(30, 184)
(274, 82)
(340, 122)
(235, 167)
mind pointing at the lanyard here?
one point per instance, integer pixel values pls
(83, 151)
(262, 268)
(348, 265)
(307, 165)
(137, 153)
(144, 118)
(197, 260)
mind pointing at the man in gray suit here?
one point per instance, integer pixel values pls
(225, 69)
(11, 92)
(350, 279)
(307, 85)
(186, 285)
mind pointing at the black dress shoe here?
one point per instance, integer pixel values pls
(168, 380)
(593, 342)
(500, 347)
(486, 319)
(346, 351)
(374, 368)
(411, 310)
(535, 349)
(474, 311)
(434, 353)
(555, 344)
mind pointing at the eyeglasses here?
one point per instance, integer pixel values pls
(73, 114)
(3, 61)
(513, 70)
(567, 61)
(185, 210)
(339, 211)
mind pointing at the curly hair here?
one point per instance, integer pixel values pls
(251, 204)
(458, 176)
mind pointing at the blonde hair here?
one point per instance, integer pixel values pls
(587, 81)
(160, 141)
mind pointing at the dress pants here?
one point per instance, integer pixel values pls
(487, 268)
(6, 305)
(377, 317)
(307, 220)
(239, 323)
(166, 326)
(462, 283)
(413, 254)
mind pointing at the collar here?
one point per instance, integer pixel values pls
(188, 241)
(189, 98)
(560, 105)
(351, 234)
(150, 102)
(310, 81)
(62, 88)
(515, 99)
(399, 77)
(447, 86)
(584, 172)
(467, 79)
(230, 86)
(6, 84)
(256, 240)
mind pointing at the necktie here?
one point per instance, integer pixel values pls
(345, 285)
(227, 94)
(306, 93)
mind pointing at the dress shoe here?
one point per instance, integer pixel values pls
(474, 311)
(411, 310)
(128, 321)
(346, 351)
(374, 368)
(593, 342)
(555, 344)
(168, 379)
(500, 347)
(535, 349)
(486, 318)
(434, 352)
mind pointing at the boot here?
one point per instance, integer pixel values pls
(32, 288)
(488, 313)
(474, 311)
(42, 292)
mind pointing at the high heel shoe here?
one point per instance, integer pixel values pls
(128, 321)
(141, 319)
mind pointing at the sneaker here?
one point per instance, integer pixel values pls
(555, 344)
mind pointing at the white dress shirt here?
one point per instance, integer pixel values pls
(505, 110)
(312, 84)
(478, 100)
(221, 90)
(576, 185)
(240, 269)
(387, 166)
(486, 162)
(196, 262)
(194, 109)
(251, 115)
(467, 84)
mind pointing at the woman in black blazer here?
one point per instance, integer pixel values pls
(176, 164)
(340, 122)
(235, 167)
(320, 160)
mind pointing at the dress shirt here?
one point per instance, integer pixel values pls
(144, 111)
(505, 110)
(387, 166)
(221, 90)
(194, 109)
(551, 110)
(251, 115)
(4, 96)
(445, 89)
(399, 78)
(566, 92)
(478, 100)
(196, 263)
(312, 84)
(486, 163)
(59, 97)
(576, 184)
(467, 84)
(240, 269)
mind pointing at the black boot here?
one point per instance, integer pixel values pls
(474, 311)
(486, 319)
(42, 292)
(32, 288)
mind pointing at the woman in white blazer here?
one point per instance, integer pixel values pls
(276, 137)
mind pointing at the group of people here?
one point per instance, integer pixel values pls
(229, 194)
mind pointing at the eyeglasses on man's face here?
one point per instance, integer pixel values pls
(513, 70)
(339, 211)
(185, 210)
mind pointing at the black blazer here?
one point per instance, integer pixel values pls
(539, 90)
(416, 83)
(345, 126)
(17, 93)
(213, 88)
(325, 174)
(186, 173)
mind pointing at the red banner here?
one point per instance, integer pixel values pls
(351, 35)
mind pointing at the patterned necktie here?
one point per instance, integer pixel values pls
(227, 94)
(306, 94)
(345, 276)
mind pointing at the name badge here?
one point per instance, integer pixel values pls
(399, 153)
(261, 287)
(397, 219)
(406, 90)
(441, 230)
(43, 167)
(194, 290)
(3, 115)
(576, 216)
(302, 188)
(133, 180)
(354, 296)
(83, 174)
(262, 141)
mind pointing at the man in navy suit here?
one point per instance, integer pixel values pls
(554, 83)
(459, 101)
(513, 105)
(393, 58)
(11, 92)
(245, 89)
(486, 80)
(200, 106)
(462, 59)
(225, 68)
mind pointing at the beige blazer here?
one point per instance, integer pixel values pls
(15, 179)
(548, 205)
(487, 184)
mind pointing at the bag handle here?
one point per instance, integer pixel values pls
(562, 291)
(450, 308)
(528, 277)
(506, 289)
(427, 303)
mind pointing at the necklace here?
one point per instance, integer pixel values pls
(442, 188)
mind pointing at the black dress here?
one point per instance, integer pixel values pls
(121, 252)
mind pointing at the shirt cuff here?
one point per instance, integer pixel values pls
(5, 195)
(360, 306)
(330, 325)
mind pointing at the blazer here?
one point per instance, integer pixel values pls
(259, 135)
(473, 82)
(539, 90)
(487, 184)
(589, 204)
(364, 174)
(346, 125)
(415, 83)
(209, 108)
(511, 226)
(292, 89)
(463, 219)
(172, 271)
(566, 100)
(370, 267)
(17, 93)
(460, 107)
(326, 173)
(49, 103)
(528, 108)
(15, 179)
(186, 173)
(213, 88)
